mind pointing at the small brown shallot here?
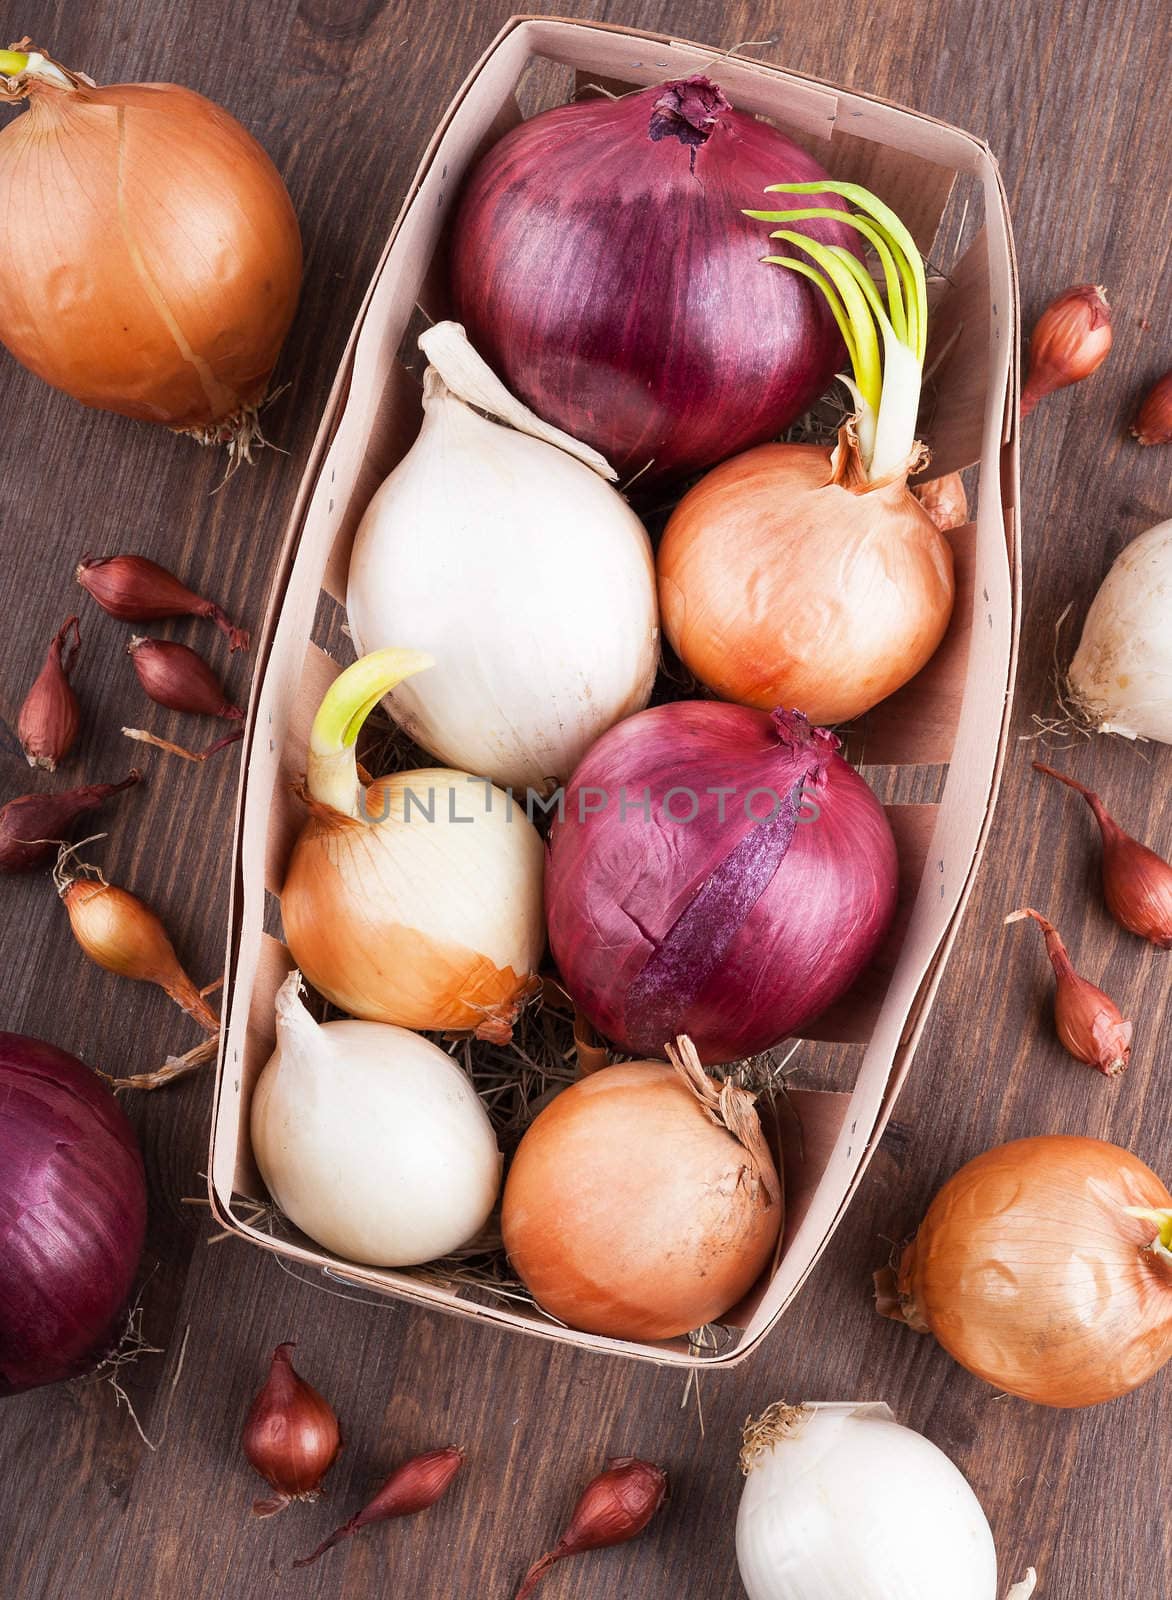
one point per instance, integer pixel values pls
(1070, 340)
(411, 1488)
(134, 589)
(33, 826)
(50, 716)
(1153, 420)
(176, 677)
(614, 1507)
(291, 1435)
(1137, 883)
(121, 933)
(1090, 1024)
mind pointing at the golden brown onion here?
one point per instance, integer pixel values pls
(150, 259)
(1031, 1273)
(416, 900)
(787, 578)
(630, 1212)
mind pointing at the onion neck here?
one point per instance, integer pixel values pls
(1055, 947)
(1161, 1245)
(795, 732)
(305, 1049)
(332, 766)
(457, 372)
(731, 1108)
(687, 109)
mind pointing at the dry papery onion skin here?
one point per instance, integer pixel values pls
(630, 1212)
(368, 928)
(415, 899)
(1120, 680)
(152, 258)
(1031, 1270)
(751, 581)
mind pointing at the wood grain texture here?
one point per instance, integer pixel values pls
(344, 94)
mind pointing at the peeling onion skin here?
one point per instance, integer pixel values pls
(618, 290)
(1030, 1274)
(620, 893)
(430, 926)
(785, 580)
(154, 265)
(1120, 680)
(627, 1212)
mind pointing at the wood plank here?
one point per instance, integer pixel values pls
(344, 94)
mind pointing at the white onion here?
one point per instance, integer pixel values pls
(371, 1139)
(842, 1503)
(519, 568)
(1121, 677)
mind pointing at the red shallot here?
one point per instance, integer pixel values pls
(614, 1507)
(134, 589)
(411, 1488)
(1090, 1024)
(33, 826)
(1137, 883)
(50, 716)
(291, 1435)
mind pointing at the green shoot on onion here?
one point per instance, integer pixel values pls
(32, 64)
(332, 766)
(887, 378)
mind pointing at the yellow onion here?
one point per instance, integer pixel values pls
(796, 575)
(150, 260)
(643, 1201)
(1044, 1267)
(415, 899)
(788, 577)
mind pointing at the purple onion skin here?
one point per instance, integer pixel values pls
(621, 294)
(72, 1215)
(33, 825)
(728, 931)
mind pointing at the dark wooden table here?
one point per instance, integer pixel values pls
(1072, 96)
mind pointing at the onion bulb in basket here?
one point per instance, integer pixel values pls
(643, 1201)
(505, 553)
(415, 899)
(371, 1139)
(800, 575)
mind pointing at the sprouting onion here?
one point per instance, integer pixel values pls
(887, 377)
(807, 575)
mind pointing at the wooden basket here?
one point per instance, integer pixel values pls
(943, 735)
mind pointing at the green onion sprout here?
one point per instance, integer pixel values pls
(886, 334)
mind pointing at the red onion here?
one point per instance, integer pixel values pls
(601, 263)
(673, 909)
(72, 1214)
